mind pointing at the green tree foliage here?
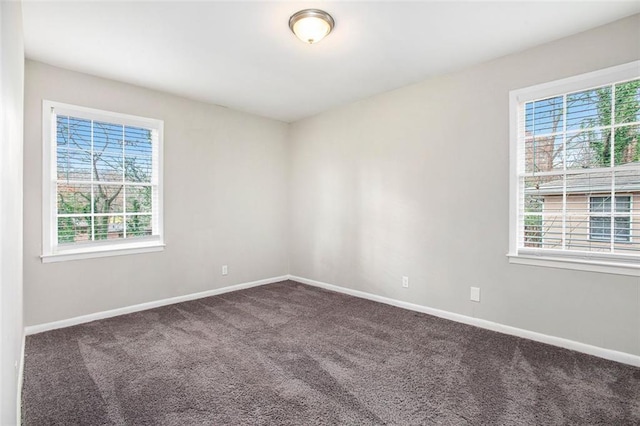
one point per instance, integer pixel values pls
(627, 106)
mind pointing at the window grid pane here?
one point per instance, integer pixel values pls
(104, 172)
(576, 159)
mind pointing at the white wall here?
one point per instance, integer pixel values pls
(11, 95)
(416, 182)
(225, 199)
(411, 182)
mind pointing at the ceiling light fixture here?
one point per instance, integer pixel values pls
(311, 25)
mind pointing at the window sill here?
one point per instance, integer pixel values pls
(576, 264)
(94, 252)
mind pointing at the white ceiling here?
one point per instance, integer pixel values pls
(242, 54)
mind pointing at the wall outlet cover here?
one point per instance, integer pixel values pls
(475, 294)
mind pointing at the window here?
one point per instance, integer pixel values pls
(575, 172)
(102, 183)
(600, 226)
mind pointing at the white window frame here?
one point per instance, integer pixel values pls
(566, 259)
(51, 250)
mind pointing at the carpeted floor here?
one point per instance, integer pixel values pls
(290, 354)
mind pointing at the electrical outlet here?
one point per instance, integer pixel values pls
(475, 294)
(225, 270)
(405, 282)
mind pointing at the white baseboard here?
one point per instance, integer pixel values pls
(20, 381)
(34, 329)
(609, 354)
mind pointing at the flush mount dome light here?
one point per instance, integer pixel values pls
(311, 25)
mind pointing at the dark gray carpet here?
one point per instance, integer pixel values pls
(290, 354)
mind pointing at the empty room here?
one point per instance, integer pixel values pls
(319, 213)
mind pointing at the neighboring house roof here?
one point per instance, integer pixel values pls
(629, 181)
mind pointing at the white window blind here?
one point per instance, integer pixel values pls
(577, 169)
(103, 180)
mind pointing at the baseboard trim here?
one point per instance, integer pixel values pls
(609, 354)
(19, 384)
(34, 329)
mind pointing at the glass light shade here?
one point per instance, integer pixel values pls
(311, 25)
